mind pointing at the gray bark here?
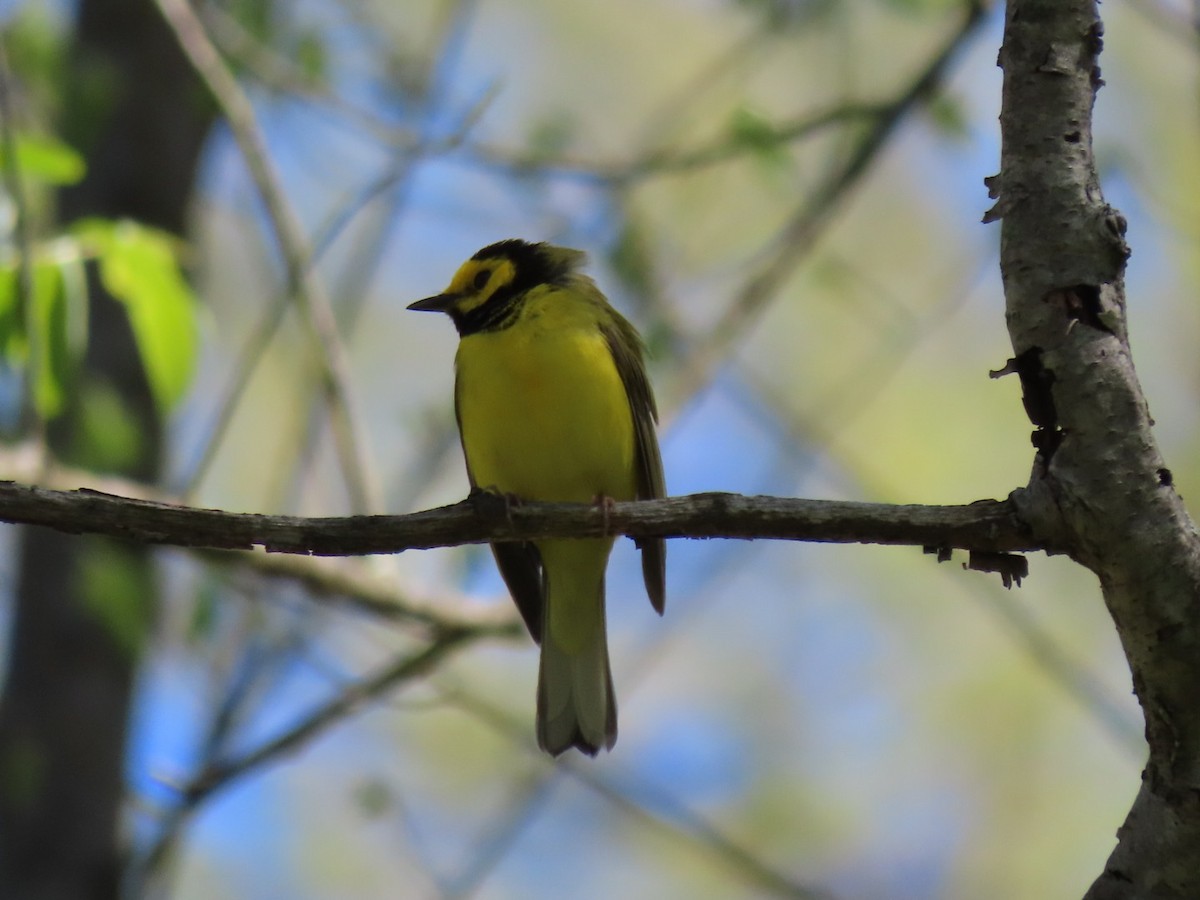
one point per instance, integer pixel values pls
(1099, 488)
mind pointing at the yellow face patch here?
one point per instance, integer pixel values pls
(477, 280)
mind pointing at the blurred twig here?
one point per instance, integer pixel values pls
(305, 287)
(669, 161)
(392, 183)
(219, 775)
(369, 248)
(1170, 19)
(277, 72)
(528, 799)
(800, 233)
(679, 820)
(146, 874)
(1049, 655)
(816, 429)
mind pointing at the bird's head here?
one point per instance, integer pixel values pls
(484, 291)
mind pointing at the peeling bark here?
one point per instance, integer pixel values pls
(1099, 487)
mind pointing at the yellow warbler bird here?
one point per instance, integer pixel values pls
(553, 404)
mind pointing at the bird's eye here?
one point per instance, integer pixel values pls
(482, 277)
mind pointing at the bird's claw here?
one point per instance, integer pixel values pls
(606, 504)
(492, 505)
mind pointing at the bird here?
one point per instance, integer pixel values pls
(554, 405)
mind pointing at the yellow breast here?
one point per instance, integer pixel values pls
(542, 408)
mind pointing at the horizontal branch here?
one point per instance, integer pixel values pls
(986, 525)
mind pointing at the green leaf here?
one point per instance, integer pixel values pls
(311, 55)
(116, 589)
(948, 115)
(139, 268)
(109, 437)
(46, 160)
(922, 7)
(50, 352)
(49, 341)
(631, 259)
(374, 798)
(783, 14)
(23, 771)
(551, 135)
(750, 131)
(204, 617)
(11, 338)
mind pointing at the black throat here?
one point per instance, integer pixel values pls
(533, 267)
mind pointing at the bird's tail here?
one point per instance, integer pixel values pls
(576, 704)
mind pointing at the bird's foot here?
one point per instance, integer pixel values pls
(606, 504)
(493, 505)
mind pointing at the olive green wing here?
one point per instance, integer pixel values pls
(626, 348)
(519, 562)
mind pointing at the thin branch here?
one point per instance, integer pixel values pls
(245, 678)
(518, 814)
(800, 233)
(276, 72)
(371, 244)
(394, 181)
(677, 817)
(985, 525)
(348, 700)
(813, 430)
(407, 668)
(332, 581)
(1060, 667)
(308, 291)
(377, 595)
(668, 162)
(669, 814)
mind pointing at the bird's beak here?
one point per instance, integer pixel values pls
(441, 303)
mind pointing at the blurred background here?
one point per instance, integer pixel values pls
(785, 196)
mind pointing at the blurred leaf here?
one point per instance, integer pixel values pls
(205, 612)
(51, 352)
(22, 770)
(373, 798)
(10, 314)
(108, 436)
(139, 268)
(37, 56)
(630, 258)
(552, 134)
(922, 7)
(311, 56)
(948, 115)
(778, 14)
(254, 16)
(117, 591)
(750, 131)
(53, 337)
(46, 160)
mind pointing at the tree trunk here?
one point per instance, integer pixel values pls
(136, 111)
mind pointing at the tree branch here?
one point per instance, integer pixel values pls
(309, 293)
(1100, 487)
(987, 526)
(216, 776)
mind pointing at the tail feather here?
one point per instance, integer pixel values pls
(576, 706)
